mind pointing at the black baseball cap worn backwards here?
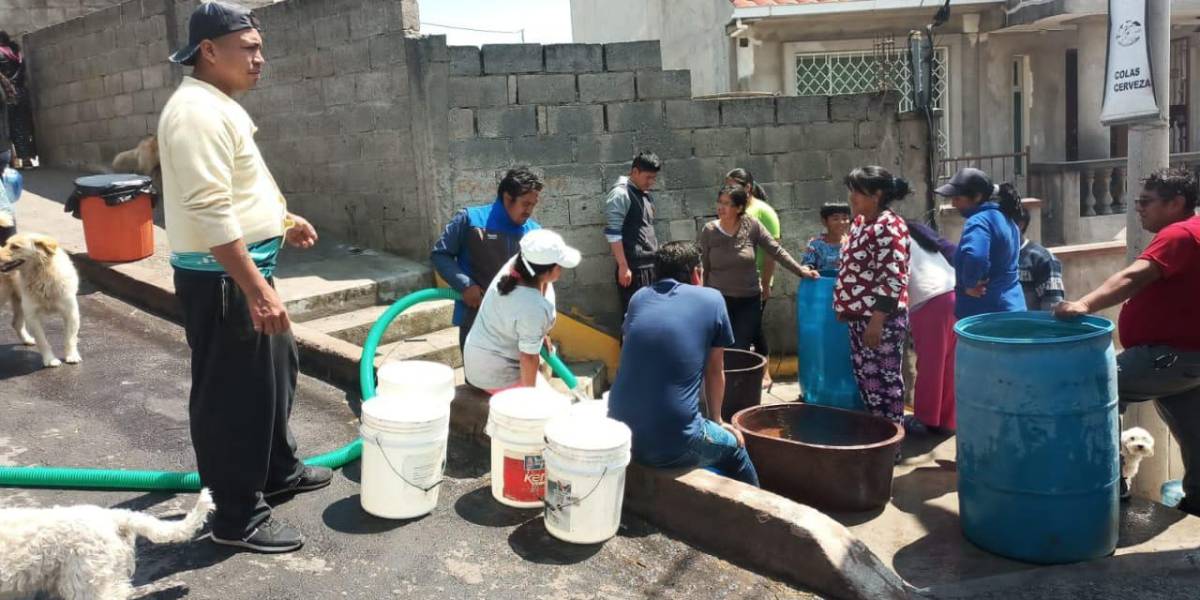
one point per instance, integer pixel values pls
(210, 21)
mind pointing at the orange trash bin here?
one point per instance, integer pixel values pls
(118, 216)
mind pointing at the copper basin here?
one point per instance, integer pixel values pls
(829, 458)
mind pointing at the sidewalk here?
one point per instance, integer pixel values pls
(312, 283)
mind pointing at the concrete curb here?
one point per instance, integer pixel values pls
(322, 356)
(746, 525)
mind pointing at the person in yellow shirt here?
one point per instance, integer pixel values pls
(226, 221)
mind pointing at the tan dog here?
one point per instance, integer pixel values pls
(9, 292)
(46, 284)
(142, 160)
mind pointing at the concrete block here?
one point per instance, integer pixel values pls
(747, 112)
(779, 195)
(543, 150)
(319, 64)
(512, 58)
(465, 60)
(829, 136)
(462, 123)
(699, 203)
(841, 162)
(762, 166)
(726, 141)
(574, 58)
(633, 116)
(131, 81)
(774, 139)
(332, 31)
(353, 57)
(573, 180)
(368, 19)
(810, 195)
(662, 85)
(870, 134)
(694, 173)
(372, 87)
(123, 105)
(606, 87)
(143, 102)
(606, 148)
(632, 56)
(587, 211)
(575, 120)
(546, 89)
(800, 166)
(508, 121)
(802, 109)
(849, 108)
(381, 144)
(666, 143)
(388, 49)
(471, 92)
(692, 113)
(337, 91)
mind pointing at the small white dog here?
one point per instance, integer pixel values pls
(46, 283)
(83, 552)
(1136, 444)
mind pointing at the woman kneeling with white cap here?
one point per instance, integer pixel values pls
(517, 313)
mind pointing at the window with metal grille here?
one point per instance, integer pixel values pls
(865, 71)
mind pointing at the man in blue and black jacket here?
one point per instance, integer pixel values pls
(480, 239)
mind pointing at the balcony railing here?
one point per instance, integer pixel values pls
(1102, 186)
(1001, 167)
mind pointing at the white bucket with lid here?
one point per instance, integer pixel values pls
(585, 477)
(417, 380)
(516, 422)
(404, 455)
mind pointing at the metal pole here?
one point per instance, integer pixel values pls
(1150, 142)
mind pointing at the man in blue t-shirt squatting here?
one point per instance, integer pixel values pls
(676, 332)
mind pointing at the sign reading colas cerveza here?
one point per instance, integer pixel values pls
(1129, 80)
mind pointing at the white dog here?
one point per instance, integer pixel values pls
(1136, 444)
(83, 552)
(46, 282)
(9, 293)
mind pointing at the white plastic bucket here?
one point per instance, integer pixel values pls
(416, 380)
(585, 477)
(404, 455)
(516, 422)
(594, 409)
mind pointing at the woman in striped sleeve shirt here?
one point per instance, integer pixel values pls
(871, 293)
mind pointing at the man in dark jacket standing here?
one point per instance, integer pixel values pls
(629, 226)
(480, 239)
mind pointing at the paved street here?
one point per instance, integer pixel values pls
(125, 407)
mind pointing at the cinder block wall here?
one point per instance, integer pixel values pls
(578, 112)
(19, 17)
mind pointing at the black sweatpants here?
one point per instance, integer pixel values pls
(243, 384)
(760, 337)
(643, 276)
(745, 314)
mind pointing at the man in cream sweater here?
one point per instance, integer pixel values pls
(226, 221)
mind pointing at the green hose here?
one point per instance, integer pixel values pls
(171, 481)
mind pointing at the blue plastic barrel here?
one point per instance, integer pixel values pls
(1037, 436)
(826, 376)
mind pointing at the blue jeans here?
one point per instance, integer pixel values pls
(717, 448)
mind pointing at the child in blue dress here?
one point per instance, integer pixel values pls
(824, 251)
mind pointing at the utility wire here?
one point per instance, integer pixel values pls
(471, 29)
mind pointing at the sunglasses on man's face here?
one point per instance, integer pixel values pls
(1144, 202)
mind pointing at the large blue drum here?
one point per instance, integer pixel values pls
(826, 376)
(1038, 476)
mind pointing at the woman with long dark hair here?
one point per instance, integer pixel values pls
(19, 105)
(502, 349)
(871, 293)
(986, 264)
(727, 247)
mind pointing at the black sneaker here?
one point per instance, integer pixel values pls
(313, 478)
(1189, 506)
(272, 537)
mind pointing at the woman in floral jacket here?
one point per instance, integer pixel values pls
(871, 293)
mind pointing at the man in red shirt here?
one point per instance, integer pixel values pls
(1159, 325)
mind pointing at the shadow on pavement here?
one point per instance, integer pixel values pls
(533, 543)
(480, 508)
(19, 360)
(347, 516)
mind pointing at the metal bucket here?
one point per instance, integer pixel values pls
(743, 381)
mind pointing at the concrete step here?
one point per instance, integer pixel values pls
(439, 346)
(420, 320)
(336, 277)
(591, 377)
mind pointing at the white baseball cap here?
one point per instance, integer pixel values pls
(544, 247)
